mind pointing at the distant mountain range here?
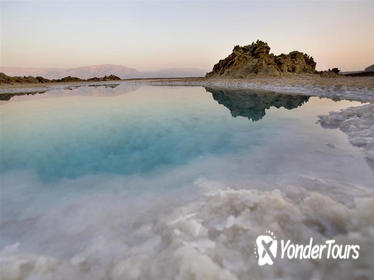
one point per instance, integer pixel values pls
(86, 72)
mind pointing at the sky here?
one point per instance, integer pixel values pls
(152, 35)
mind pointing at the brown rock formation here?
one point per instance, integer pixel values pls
(257, 59)
(68, 79)
(105, 78)
(5, 79)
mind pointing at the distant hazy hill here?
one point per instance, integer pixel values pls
(80, 72)
(175, 72)
(86, 72)
(370, 68)
(368, 72)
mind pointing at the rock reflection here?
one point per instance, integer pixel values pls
(80, 90)
(105, 85)
(8, 96)
(252, 104)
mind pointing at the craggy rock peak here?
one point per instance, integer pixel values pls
(257, 59)
(5, 79)
(253, 105)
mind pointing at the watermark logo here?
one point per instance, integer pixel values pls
(267, 247)
(266, 250)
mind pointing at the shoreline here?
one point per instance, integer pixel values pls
(354, 89)
(351, 88)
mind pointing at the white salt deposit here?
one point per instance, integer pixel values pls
(329, 89)
(357, 123)
(312, 86)
(212, 238)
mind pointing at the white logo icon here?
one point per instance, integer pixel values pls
(267, 246)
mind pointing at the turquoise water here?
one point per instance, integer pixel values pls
(65, 152)
(60, 136)
(138, 132)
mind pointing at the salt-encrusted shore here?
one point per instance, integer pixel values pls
(214, 237)
(357, 123)
(352, 88)
(36, 88)
(358, 88)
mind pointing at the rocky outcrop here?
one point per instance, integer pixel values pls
(105, 78)
(331, 73)
(5, 79)
(256, 59)
(68, 79)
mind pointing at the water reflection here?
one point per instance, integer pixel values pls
(80, 89)
(105, 85)
(251, 104)
(8, 96)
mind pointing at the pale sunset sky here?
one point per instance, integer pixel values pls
(152, 35)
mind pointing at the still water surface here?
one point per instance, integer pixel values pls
(83, 162)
